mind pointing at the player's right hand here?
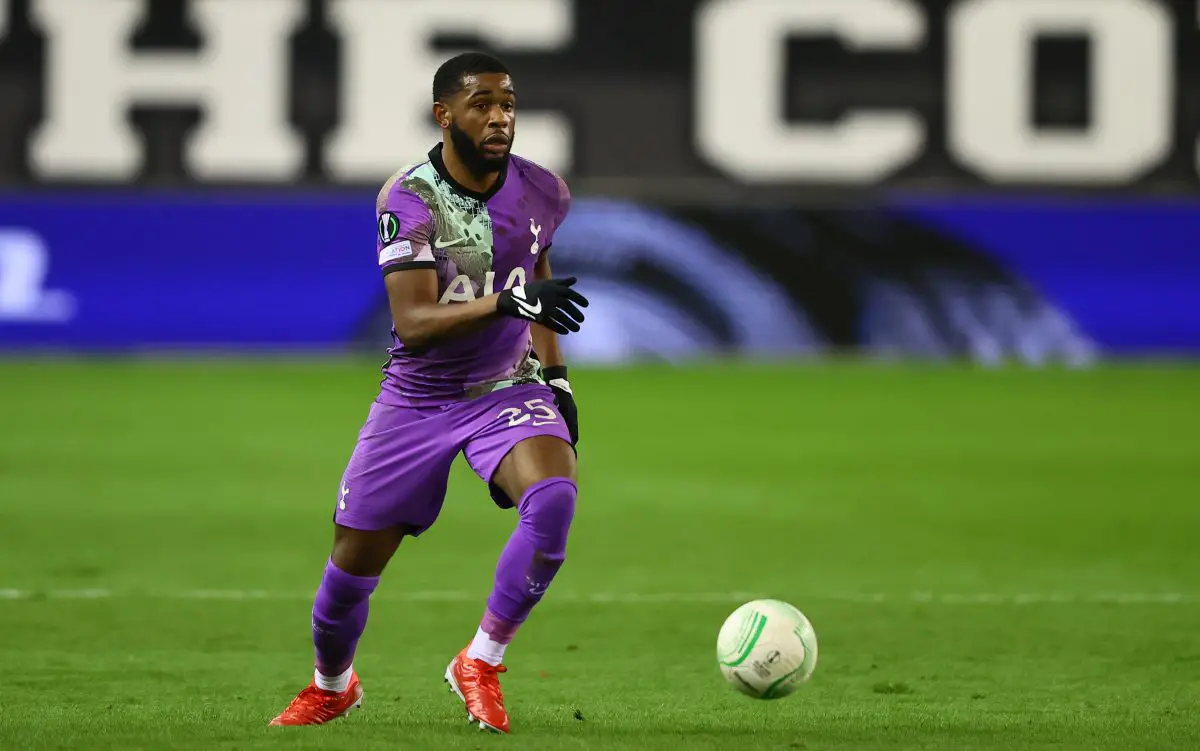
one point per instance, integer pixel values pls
(550, 302)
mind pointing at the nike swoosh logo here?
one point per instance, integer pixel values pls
(530, 310)
(447, 243)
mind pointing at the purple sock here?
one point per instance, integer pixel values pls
(339, 617)
(534, 553)
(497, 629)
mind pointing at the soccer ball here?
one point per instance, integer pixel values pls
(766, 649)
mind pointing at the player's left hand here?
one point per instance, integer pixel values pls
(556, 379)
(550, 302)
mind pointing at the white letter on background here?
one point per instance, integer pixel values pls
(741, 74)
(990, 61)
(240, 78)
(389, 62)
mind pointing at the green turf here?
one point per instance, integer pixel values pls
(969, 545)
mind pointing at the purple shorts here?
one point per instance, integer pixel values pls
(400, 465)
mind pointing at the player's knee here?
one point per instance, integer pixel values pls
(341, 592)
(547, 509)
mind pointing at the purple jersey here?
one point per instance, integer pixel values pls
(479, 244)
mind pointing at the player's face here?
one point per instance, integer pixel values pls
(482, 121)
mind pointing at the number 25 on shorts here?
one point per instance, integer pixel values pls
(537, 411)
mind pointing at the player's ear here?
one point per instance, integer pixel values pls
(441, 114)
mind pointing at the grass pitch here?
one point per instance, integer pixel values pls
(991, 560)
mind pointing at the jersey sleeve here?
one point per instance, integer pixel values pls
(564, 206)
(405, 228)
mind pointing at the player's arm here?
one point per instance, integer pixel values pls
(420, 320)
(554, 368)
(545, 341)
(406, 228)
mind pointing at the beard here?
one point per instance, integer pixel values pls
(473, 156)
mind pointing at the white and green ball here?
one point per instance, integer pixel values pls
(766, 649)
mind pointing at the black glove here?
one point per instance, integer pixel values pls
(556, 379)
(550, 302)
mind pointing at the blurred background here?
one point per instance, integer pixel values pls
(994, 180)
(894, 311)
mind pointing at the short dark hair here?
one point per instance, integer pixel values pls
(448, 80)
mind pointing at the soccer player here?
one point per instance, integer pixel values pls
(476, 368)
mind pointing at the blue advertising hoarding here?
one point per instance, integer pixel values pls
(1033, 280)
(1127, 272)
(132, 271)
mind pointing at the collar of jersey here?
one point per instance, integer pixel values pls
(435, 158)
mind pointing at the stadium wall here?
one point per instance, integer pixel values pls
(659, 99)
(1031, 280)
(982, 179)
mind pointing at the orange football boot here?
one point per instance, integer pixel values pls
(477, 684)
(316, 706)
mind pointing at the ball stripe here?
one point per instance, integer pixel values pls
(747, 634)
(730, 648)
(760, 621)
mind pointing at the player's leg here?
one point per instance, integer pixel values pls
(339, 614)
(522, 447)
(339, 617)
(540, 471)
(393, 487)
